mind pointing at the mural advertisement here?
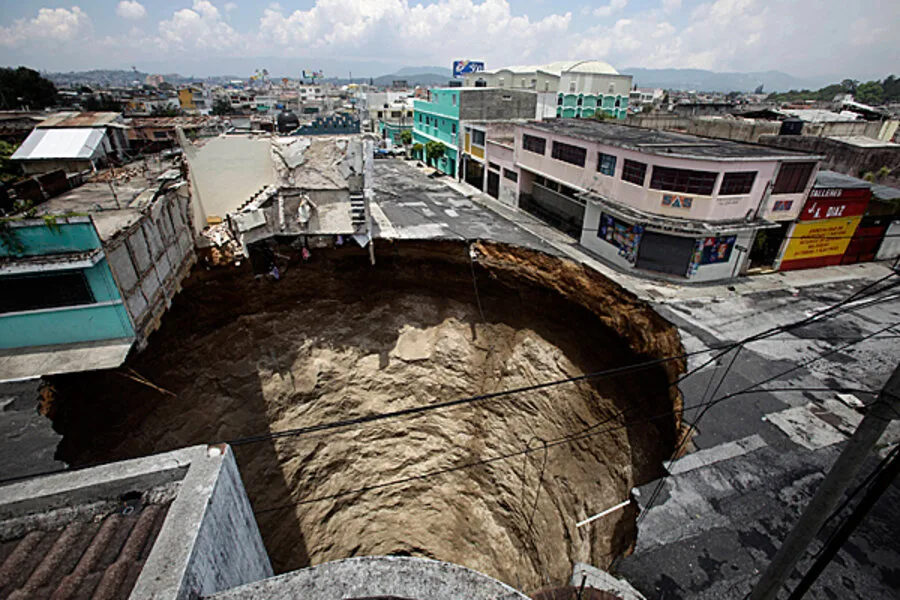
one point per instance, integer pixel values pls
(625, 237)
(464, 67)
(710, 251)
(818, 243)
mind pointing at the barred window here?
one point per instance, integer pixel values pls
(535, 144)
(606, 164)
(511, 175)
(737, 183)
(792, 178)
(575, 155)
(634, 172)
(682, 180)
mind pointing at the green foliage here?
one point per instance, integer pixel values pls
(417, 150)
(51, 223)
(870, 92)
(9, 171)
(105, 103)
(434, 151)
(406, 137)
(221, 107)
(165, 111)
(602, 115)
(25, 87)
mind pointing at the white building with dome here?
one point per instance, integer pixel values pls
(573, 88)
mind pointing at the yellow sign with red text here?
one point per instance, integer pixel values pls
(813, 239)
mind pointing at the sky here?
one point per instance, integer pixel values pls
(805, 38)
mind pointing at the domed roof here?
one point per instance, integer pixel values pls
(590, 66)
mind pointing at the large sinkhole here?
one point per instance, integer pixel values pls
(336, 338)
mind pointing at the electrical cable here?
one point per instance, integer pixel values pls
(589, 376)
(572, 438)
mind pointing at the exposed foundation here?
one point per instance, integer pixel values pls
(337, 338)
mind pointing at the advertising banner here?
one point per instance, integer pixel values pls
(830, 203)
(463, 67)
(818, 243)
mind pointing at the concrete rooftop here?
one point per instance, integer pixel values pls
(664, 143)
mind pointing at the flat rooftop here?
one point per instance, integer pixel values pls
(114, 198)
(663, 143)
(833, 179)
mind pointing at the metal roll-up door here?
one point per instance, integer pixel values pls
(665, 253)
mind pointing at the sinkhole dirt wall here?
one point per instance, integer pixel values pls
(337, 338)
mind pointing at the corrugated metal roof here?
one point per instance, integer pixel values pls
(83, 119)
(59, 143)
(833, 179)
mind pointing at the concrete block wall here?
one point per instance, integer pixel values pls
(150, 259)
(491, 104)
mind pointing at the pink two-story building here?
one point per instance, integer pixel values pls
(676, 205)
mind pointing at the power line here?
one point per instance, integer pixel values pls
(572, 438)
(589, 376)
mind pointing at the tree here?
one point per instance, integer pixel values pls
(849, 85)
(406, 137)
(25, 87)
(221, 107)
(105, 103)
(870, 92)
(9, 171)
(434, 151)
(165, 110)
(417, 150)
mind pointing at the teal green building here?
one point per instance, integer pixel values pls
(57, 286)
(437, 120)
(570, 106)
(392, 131)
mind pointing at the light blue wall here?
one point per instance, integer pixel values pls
(67, 325)
(38, 238)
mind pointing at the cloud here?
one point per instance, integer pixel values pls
(199, 27)
(728, 35)
(396, 29)
(613, 7)
(131, 9)
(53, 25)
(671, 5)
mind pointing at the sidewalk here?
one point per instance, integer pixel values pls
(659, 291)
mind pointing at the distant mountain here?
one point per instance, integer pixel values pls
(710, 81)
(425, 79)
(443, 71)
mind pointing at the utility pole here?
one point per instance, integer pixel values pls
(881, 483)
(826, 498)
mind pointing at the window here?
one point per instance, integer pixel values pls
(618, 102)
(535, 144)
(634, 172)
(453, 128)
(612, 88)
(575, 155)
(682, 180)
(523, 82)
(606, 164)
(511, 175)
(737, 183)
(34, 292)
(559, 101)
(546, 86)
(539, 179)
(792, 178)
(500, 82)
(380, 114)
(454, 99)
(477, 137)
(420, 117)
(580, 101)
(160, 135)
(493, 166)
(396, 114)
(571, 86)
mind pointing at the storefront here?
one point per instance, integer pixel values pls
(827, 224)
(676, 249)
